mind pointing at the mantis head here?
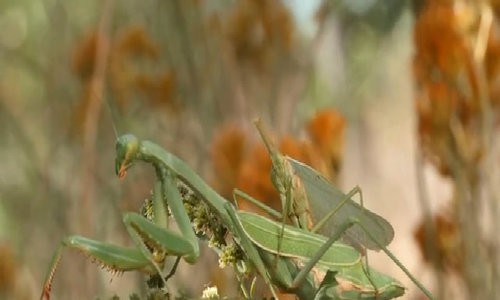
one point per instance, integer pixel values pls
(127, 147)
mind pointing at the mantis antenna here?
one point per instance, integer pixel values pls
(112, 117)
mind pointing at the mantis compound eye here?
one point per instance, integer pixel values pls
(126, 149)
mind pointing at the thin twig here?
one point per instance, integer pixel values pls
(486, 168)
(91, 122)
(91, 119)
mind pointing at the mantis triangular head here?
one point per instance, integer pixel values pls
(127, 147)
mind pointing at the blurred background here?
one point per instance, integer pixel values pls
(398, 97)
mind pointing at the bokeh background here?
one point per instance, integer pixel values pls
(398, 97)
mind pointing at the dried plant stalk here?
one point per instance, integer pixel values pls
(455, 72)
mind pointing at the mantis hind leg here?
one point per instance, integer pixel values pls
(269, 210)
(301, 276)
(396, 261)
(349, 196)
(356, 190)
(355, 221)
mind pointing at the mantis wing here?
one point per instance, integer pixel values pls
(324, 197)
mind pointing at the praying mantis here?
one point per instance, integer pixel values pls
(304, 192)
(154, 241)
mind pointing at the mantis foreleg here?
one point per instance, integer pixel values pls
(153, 240)
(111, 257)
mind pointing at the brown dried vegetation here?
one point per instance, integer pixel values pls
(456, 72)
(258, 31)
(130, 73)
(447, 88)
(7, 271)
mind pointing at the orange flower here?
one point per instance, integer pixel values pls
(255, 179)
(326, 131)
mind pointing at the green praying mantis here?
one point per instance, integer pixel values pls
(298, 184)
(305, 194)
(154, 241)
